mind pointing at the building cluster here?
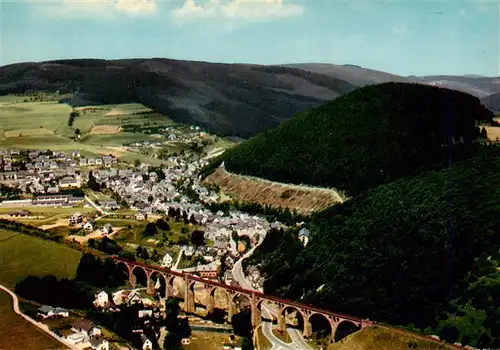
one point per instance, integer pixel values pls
(38, 171)
(40, 160)
(147, 312)
(82, 332)
(56, 200)
(170, 134)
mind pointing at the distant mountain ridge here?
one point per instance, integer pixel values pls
(229, 99)
(237, 100)
(475, 85)
(492, 102)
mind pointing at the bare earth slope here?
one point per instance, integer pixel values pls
(303, 199)
(229, 99)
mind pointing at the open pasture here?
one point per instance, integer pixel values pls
(31, 115)
(22, 255)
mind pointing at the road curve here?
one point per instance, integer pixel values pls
(39, 325)
(267, 327)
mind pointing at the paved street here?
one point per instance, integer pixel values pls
(268, 312)
(40, 325)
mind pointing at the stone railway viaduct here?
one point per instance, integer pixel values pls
(256, 298)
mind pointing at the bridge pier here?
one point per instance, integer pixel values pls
(132, 280)
(150, 287)
(307, 329)
(334, 326)
(231, 309)
(189, 303)
(281, 322)
(210, 303)
(256, 317)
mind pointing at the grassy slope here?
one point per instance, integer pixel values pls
(17, 334)
(368, 137)
(22, 255)
(377, 338)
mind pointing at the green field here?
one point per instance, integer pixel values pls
(22, 255)
(50, 210)
(17, 333)
(44, 125)
(35, 115)
(50, 215)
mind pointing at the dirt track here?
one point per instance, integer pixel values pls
(303, 199)
(105, 129)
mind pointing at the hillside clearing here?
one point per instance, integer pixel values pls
(493, 133)
(303, 199)
(22, 255)
(17, 333)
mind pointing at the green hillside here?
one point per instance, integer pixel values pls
(365, 138)
(414, 251)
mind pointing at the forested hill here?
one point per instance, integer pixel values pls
(417, 243)
(229, 99)
(421, 250)
(365, 138)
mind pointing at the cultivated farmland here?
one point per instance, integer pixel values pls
(28, 124)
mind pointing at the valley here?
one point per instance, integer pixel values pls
(285, 213)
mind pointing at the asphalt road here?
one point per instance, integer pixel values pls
(268, 312)
(41, 326)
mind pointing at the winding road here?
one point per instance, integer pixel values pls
(41, 326)
(269, 312)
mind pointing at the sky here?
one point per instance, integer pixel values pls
(409, 37)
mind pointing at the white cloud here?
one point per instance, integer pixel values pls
(136, 7)
(104, 9)
(246, 10)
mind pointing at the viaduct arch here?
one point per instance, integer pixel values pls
(256, 299)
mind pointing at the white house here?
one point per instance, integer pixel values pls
(145, 313)
(75, 219)
(146, 343)
(107, 229)
(46, 311)
(134, 298)
(304, 236)
(99, 343)
(89, 225)
(167, 260)
(85, 327)
(76, 338)
(101, 299)
(141, 216)
(189, 251)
